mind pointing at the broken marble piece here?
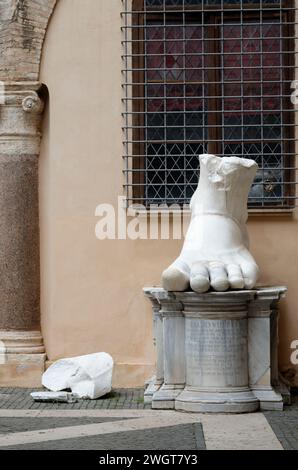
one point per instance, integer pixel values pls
(87, 376)
(216, 253)
(57, 397)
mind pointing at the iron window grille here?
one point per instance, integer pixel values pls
(208, 76)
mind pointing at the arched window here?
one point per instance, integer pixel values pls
(208, 76)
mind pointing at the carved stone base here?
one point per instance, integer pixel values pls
(151, 388)
(269, 398)
(165, 397)
(237, 401)
(219, 350)
(22, 358)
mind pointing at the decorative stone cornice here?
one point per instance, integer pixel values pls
(167, 302)
(266, 301)
(260, 302)
(155, 303)
(216, 305)
(21, 110)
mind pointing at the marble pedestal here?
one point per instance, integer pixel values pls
(155, 382)
(170, 366)
(218, 351)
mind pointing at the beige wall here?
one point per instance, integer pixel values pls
(92, 290)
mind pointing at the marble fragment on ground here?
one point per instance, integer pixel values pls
(56, 397)
(88, 376)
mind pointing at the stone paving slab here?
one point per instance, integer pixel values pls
(149, 422)
(180, 437)
(234, 432)
(250, 431)
(121, 420)
(21, 424)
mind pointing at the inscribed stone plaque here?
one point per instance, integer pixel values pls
(216, 352)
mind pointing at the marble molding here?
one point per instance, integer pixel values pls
(155, 382)
(24, 358)
(219, 350)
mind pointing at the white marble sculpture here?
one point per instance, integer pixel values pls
(215, 251)
(87, 376)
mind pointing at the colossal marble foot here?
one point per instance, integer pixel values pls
(215, 252)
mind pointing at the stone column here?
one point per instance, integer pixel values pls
(263, 349)
(216, 335)
(155, 382)
(173, 351)
(20, 133)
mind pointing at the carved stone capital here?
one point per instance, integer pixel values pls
(14, 93)
(32, 103)
(21, 110)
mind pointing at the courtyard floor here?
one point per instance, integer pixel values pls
(121, 421)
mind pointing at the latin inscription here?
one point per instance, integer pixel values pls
(216, 348)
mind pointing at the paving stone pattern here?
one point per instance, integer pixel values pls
(181, 437)
(19, 399)
(285, 424)
(176, 437)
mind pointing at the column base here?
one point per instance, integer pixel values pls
(151, 388)
(233, 401)
(22, 359)
(164, 398)
(284, 390)
(269, 398)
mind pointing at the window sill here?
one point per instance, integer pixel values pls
(278, 212)
(271, 212)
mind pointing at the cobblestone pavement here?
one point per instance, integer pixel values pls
(121, 421)
(285, 424)
(19, 399)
